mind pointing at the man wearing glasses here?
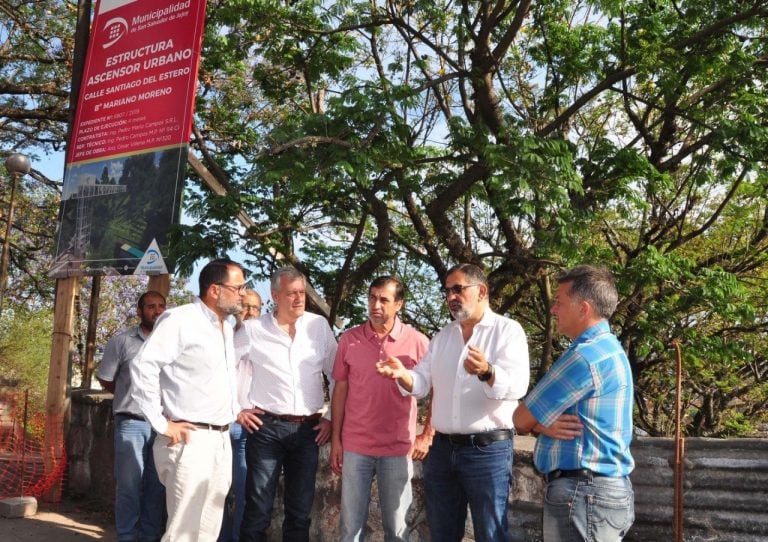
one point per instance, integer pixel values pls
(477, 367)
(233, 514)
(289, 351)
(251, 305)
(185, 386)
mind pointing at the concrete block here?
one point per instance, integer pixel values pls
(18, 507)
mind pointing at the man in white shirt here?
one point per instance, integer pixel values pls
(233, 515)
(184, 384)
(477, 367)
(289, 351)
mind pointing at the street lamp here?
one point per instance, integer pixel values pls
(17, 165)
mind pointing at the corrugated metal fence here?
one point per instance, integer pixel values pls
(725, 491)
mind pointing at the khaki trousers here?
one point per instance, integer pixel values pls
(196, 476)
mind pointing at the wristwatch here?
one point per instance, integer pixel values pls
(487, 375)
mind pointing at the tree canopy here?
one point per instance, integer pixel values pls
(35, 72)
(526, 137)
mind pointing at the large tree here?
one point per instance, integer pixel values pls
(371, 137)
(36, 57)
(365, 137)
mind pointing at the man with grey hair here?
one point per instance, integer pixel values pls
(289, 351)
(582, 412)
(477, 368)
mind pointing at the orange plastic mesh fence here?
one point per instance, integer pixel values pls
(30, 463)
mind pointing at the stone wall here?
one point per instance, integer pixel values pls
(90, 448)
(725, 485)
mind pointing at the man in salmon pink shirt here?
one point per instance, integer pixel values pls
(373, 424)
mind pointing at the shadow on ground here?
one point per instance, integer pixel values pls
(66, 522)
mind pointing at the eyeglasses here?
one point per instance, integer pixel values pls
(239, 289)
(455, 289)
(255, 308)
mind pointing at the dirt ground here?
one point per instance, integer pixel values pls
(65, 522)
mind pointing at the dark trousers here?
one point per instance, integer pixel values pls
(280, 446)
(478, 476)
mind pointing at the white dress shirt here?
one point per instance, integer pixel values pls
(460, 402)
(244, 367)
(287, 373)
(186, 369)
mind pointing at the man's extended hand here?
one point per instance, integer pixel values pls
(394, 369)
(249, 419)
(323, 429)
(391, 368)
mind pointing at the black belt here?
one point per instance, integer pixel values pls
(573, 473)
(476, 439)
(209, 426)
(132, 416)
(294, 419)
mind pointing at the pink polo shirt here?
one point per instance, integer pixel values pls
(378, 419)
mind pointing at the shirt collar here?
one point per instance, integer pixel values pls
(394, 334)
(274, 321)
(208, 313)
(488, 318)
(593, 331)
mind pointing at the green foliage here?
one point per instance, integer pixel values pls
(36, 40)
(25, 350)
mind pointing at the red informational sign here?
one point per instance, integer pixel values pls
(138, 88)
(126, 159)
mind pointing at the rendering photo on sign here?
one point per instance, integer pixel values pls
(113, 210)
(127, 154)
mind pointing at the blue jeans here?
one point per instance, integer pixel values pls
(393, 476)
(139, 495)
(480, 476)
(287, 447)
(233, 512)
(593, 509)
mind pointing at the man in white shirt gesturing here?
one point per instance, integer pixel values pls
(184, 384)
(289, 351)
(477, 367)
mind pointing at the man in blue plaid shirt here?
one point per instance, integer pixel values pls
(582, 412)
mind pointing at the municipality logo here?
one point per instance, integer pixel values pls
(114, 29)
(152, 256)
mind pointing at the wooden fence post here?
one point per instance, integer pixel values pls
(57, 398)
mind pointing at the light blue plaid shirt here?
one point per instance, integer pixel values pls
(593, 380)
